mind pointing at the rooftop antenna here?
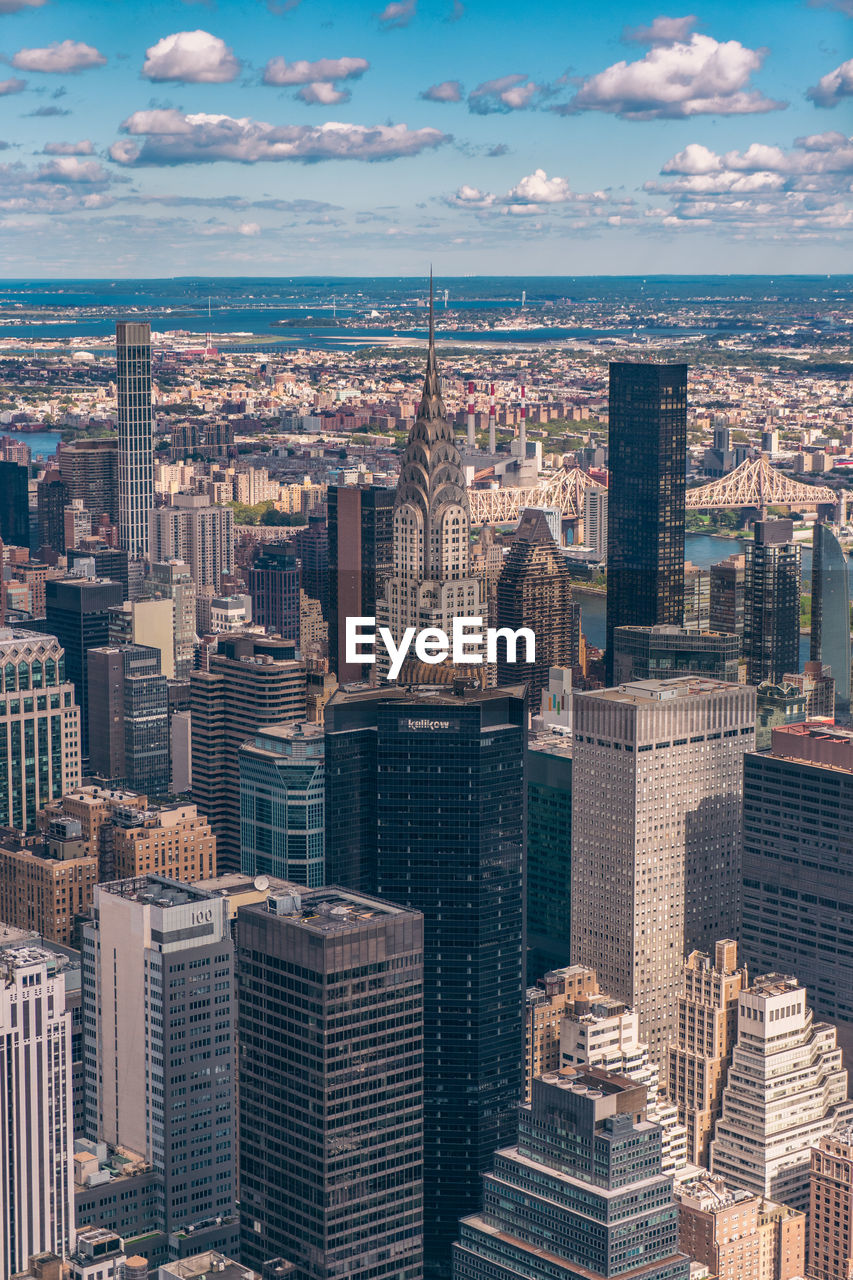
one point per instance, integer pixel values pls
(445, 297)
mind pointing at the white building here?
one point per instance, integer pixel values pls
(37, 1146)
(656, 833)
(602, 1032)
(595, 520)
(786, 1090)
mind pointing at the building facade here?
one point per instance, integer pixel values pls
(664, 652)
(830, 618)
(549, 852)
(36, 1176)
(39, 726)
(89, 471)
(360, 520)
(14, 505)
(771, 626)
(283, 804)
(761, 1142)
(648, 468)
(77, 613)
(718, 1227)
(273, 582)
(705, 1032)
(331, 1084)
(135, 436)
(831, 1206)
(129, 717)
(552, 997)
(656, 833)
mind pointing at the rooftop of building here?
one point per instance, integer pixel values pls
(426, 695)
(773, 984)
(325, 911)
(206, 1266)
(553, 742)
(712, 1195)
(12, 636)
(26, 956)
(97, 795)
(155, 891)
(814, 742)
(639, 692)
(10, 936)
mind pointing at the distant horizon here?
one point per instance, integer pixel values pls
(479, 275)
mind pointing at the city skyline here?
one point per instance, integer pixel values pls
(639, 141)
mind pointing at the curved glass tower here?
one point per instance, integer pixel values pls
(830, 640)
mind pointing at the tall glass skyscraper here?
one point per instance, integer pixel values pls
(830, 641)
(648, 467)
(446, 770)
(771, 624)
(135, 430)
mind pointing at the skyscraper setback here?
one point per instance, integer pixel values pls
(135, 436)
(648, 468)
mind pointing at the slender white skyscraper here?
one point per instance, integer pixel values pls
(135, 430)
(36, 1150)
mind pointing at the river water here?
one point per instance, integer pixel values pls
(39, 442)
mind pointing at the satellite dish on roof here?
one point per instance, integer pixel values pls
(262, 882)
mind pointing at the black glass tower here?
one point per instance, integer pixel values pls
(14, 505)
(447, 821)
(359, 563)
(648, 466)
(771, 624)
(78, 615)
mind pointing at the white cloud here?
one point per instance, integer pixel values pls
(195, 57)
(323, 94)
(834, 86)
(12, 86)
(699, 77)
(249, 229)
(69, 169)
(15, 6)
(83, 148)
(280, 72)
(398, 13)
(505, 93)
(661, 31)
(447, 91)
(62, 56)
(171, 137)
(531, 194)
(538, 188)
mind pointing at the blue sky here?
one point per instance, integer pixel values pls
(489, 136)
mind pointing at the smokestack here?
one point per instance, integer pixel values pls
(471, 441)
(522, 429)
(493, 446)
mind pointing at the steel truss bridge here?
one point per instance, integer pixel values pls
(564, 489)
(756, 484)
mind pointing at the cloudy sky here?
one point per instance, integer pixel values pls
(287, 137)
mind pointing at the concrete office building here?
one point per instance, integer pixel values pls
(252, 681)
(705, 1032)
(172, 580)
(273, 583)
(48, 889)
(798, 865)
(158, 993)
(425, 791)
(665, 652)
(360, 561)
(831, 1206)
(771, 626)
(198, 532)
(89, 471)
(147, 622)
(331, 1084)
(656, 829)
(283, 804)
(647, 455)
(599, 1031)
(135, 436)
(39, 726)
(718, 1227)
(100, 561)
(36, 1180)
(547, 1002)
(580, 1195)
(77, 613)
(761, 1141)
(727, 603)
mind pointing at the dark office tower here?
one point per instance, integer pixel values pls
(771, 625)
(535, 590)
(158, 1042)
(648, 467)
(798, 865)
(661, 653)
(581, 1194)
(77, 613)
(830, 640)
(51, 500)
(14, 505)
(273, 583)
(135, 436)
(727, 595)
(252, 681)
(110, 562)
(360, 557)
(447, 821)
(331, 1084)
(89, 470)
(129, 718)
(311, 545)
(549, 853)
